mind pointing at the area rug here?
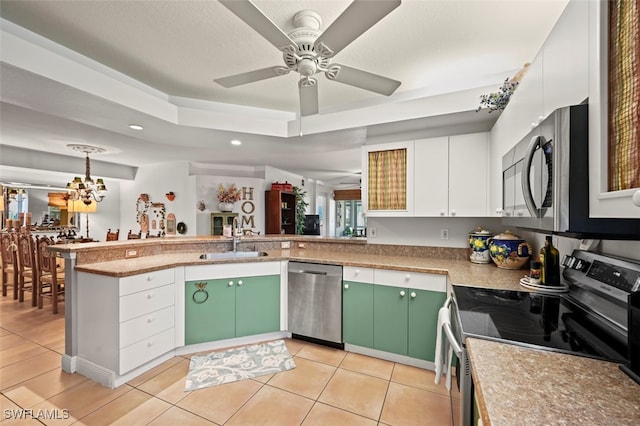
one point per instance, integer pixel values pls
(236, 364)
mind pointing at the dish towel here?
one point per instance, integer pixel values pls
(444, 351)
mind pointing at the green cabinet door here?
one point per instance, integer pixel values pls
(213, 318)
(423, 320)
(390, 310)
(257, 305)
(357, 313)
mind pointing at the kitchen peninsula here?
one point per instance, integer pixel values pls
(102, 272)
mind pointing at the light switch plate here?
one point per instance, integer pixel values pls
(130, 253)
(285, 244)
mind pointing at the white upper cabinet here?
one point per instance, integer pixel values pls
(602, 202)
(566, 59)
(557, 77)
(468, 174)
(432, 177)
(451, 175)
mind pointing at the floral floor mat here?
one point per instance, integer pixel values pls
(236, 364)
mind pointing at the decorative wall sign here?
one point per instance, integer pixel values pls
(171, 224)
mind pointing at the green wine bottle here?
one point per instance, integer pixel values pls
(550, 263)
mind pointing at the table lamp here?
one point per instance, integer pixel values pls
(78, 206)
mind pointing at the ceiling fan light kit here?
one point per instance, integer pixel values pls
(308, 51)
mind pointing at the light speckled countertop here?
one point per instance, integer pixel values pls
(461, 272)
(523, 386)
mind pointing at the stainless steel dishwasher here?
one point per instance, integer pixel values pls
(315, 303)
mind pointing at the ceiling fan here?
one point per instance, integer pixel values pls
(309, 51)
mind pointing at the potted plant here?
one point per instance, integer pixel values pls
(227, 196)
(301, 208)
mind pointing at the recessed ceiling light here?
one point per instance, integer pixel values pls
(236, 142)
(135, 127)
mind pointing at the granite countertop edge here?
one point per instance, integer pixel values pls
(460, 272)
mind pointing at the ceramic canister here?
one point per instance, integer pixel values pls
(479, 244)
(509, 251)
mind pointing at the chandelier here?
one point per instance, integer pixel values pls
(87, 189)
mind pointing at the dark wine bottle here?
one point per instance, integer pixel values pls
(550, 263)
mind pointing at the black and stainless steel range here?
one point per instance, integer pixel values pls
(591, 319)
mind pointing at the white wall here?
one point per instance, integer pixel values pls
(252, 204)
(157, 180)
(421, 231)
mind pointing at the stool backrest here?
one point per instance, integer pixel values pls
(113, 236)
(26, 251)
(46, 260)
(9, 248)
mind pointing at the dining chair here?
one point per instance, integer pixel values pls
(132, 236)
(50, 284)
(27, 271)
(113, 236)
(9, 263)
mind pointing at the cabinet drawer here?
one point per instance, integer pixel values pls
(134, 330)
(145, 350)
(363, 275)
(142, 282)
(143, 302)
(417, 280)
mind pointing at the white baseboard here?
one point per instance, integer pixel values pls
(402, 359)
(69, 363)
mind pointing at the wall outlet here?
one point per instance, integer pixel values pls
(285, 244)
(130, 253)
(301, 245)
(373, 232)
(444, 234)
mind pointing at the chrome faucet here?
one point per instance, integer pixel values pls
(234, 233)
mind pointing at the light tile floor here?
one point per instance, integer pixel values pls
(327, 387)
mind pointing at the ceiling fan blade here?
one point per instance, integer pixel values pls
(257, 20)
(251, 76)
(362, 79)
(308, 96)
(355, 20)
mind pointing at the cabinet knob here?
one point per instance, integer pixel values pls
(149, 295)
(407, 277)
(346, 286)
(150, 343)
(358, 270)
(499, 211)
(453, 212)
(230, 283)
(240, 282)
(149, 277)
(636, 198)
(413, 294)
(402, 293)
(442, 212)
(149, 320)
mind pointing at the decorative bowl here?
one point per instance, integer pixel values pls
(509, 251)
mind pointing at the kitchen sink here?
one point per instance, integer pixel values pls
(233, 254)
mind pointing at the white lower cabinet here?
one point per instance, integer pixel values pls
(124, 323)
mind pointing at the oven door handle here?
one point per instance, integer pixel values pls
(446, 326)
(457, 348)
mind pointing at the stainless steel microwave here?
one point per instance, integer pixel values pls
(545, 181)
